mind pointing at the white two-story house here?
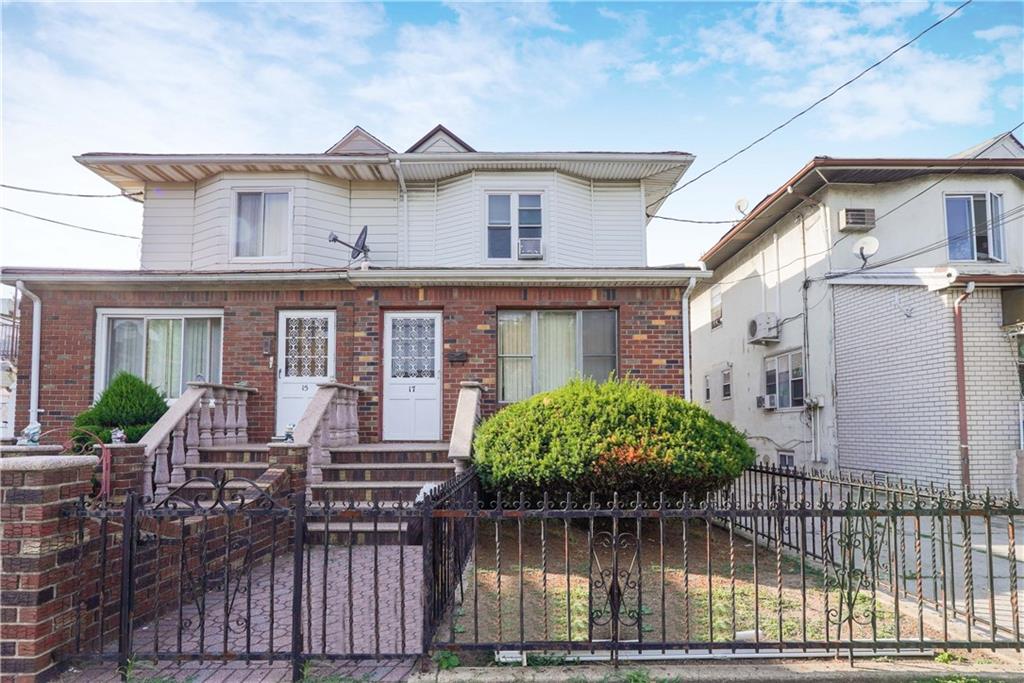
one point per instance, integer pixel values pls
(517, 270)
(867, 316)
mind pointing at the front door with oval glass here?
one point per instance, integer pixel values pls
(412, 377)
(305, 359)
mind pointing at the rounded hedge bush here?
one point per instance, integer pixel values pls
(128, 403)
(618, 436)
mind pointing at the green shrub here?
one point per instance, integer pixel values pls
(619, 436)
(128, 403)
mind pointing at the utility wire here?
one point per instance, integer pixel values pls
(69, 225)
(71, 194)
(807, 109)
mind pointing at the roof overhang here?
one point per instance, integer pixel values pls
(823, 171)
(130, 172)
(347, 279)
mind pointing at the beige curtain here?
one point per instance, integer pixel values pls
(556, 349)
(163, 356)
(515, 381)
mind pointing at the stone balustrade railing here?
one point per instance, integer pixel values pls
(330, 420)
(204, 415)
(467, 417)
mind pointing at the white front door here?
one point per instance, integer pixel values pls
(412, 376)
(305, 358)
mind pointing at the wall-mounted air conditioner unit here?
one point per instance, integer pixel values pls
(856, 220)
(763, 329)
(530, 248)
(768, 402)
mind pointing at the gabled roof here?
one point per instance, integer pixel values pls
(358, 141)
(440, 139)
(1002, 146)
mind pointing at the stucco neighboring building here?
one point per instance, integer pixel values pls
(830, 360)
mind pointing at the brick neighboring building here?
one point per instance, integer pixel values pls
(855, 364)
(519, 271)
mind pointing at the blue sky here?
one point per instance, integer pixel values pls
(705, 78)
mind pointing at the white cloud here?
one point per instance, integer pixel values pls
(1002, 32)
(643, 72)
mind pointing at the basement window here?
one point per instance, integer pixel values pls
(166, 348)
(974, 227)
(787, 459)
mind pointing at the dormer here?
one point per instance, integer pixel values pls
(439, 140)
(358, 141)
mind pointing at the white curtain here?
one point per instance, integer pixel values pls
(163, 356)
(196, 354)
(124, 346)
(556, 349)
(249, 240)
(515, 360)
(275, 224)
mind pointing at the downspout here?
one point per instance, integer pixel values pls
(961, 385)
(405, 205)
(687, 382)
(37, 324)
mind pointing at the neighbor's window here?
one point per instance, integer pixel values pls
(716, 306)
(509, 218)
(542, 350)
(726, 383)
(974, 227)
(262, 224)
(164, 349)
(707, 388)
(787, 459)
(784, 376)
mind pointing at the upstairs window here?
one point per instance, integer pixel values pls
(262, 224)
(166, 348)
(511, 217)
(784, 376)
(716, 306)
(974, 227)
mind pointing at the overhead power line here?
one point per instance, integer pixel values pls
(128, 195)
(69, 225)
(820, 100)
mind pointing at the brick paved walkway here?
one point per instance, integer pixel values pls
(375, 613)
(391, 671)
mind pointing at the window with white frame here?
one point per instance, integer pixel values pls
(974, 227)
(726, 383)
(166, 348)
(716, 306)
(707, 389)
(511, 217)
(786, 459)
(262, 224)
(542, 350)
(784, 377)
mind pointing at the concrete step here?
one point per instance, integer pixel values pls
(389, 471)
(241, 452)
(391, 452)
(247, 470)
(343, 491)
(361, 533)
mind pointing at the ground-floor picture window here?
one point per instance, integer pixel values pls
(165, 348)
(784, 377)
(542, 350)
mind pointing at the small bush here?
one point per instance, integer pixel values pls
(619, 436)
(128, 403)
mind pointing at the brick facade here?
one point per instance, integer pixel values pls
(650, 338)
(896, 392)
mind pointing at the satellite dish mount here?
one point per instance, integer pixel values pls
(865, 248)
(359, 249)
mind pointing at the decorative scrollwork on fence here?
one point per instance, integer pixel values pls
(852, 556)
(617, 585)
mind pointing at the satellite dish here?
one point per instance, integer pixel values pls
(865, 248)
(742, 205)
(359, 248)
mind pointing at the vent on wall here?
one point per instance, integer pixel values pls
(856, 220)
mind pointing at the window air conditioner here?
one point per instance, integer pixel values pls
(763, 329)
(530, 248)
(768, 402)
(856, 220)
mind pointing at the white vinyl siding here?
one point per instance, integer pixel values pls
(167, 222)
(618, 225)
(457, 233)
(575, 244)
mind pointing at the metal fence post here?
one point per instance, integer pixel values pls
(428, 578)
(298, 543)
(124, 635)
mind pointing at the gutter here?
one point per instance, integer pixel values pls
(961, 386)
(687, 378)
(37, 323)
(517, 276)
(197, 277)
